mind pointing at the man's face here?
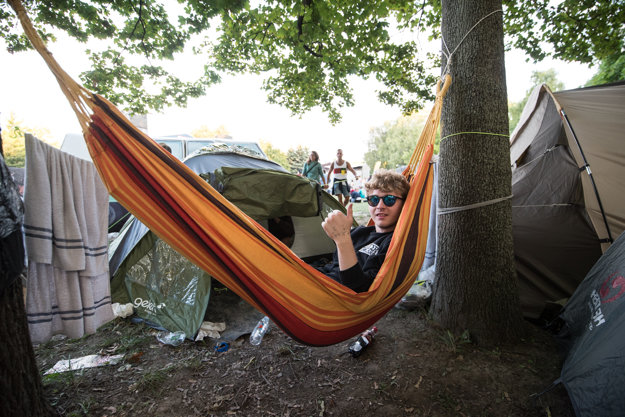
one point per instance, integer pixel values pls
(384, 217)
(339, 154)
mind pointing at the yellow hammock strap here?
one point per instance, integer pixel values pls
(428, 135)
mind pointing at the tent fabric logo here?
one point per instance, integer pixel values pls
(611, 290)
(148, 305)
(596, 315)
(618, 284)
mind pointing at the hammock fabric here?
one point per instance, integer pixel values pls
(193, 218)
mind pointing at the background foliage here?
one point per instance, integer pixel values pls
(13, 140)
(548, 77)
(274, 153)
(296, 158)
(392, 144)
(205, 132)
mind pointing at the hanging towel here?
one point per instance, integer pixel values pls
(65, 224)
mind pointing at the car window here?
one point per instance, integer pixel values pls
(175, 145)
(251, 145)
(194, 145)
(184, 145)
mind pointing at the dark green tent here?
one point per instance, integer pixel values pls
(593, 336)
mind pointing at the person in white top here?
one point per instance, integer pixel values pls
(340, 186)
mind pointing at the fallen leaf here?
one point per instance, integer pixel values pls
(135, 357)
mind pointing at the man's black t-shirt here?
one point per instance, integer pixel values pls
(371, 248)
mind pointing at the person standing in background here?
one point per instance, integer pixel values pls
(313, 169)
(340, 186)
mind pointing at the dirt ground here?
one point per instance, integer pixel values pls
(412, 368)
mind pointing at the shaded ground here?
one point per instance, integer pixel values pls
(411, 369)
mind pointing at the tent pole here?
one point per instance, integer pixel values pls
(592, 179)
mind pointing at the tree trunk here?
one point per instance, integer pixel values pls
(476, 286)
(21, 390)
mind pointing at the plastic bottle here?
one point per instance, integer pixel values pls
(171, 338)
(364, 340)
(259, 331)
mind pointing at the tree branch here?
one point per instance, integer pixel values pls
(313, 53)
(142, 22)
(300, 31)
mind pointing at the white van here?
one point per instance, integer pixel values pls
(74, 144)
(184, 145)
(181, 145)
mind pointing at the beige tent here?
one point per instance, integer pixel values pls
(568, 185)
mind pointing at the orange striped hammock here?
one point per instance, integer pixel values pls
(193, 218)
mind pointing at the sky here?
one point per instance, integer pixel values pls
(29, 91)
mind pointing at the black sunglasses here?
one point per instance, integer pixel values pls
(389, 200)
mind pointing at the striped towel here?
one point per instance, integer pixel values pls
(65, 224)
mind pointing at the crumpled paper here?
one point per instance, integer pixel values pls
(122, 310)
(211, 330)
(89, 361)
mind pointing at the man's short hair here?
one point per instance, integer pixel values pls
(388, 181)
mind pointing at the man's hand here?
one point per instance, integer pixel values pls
(338, 225)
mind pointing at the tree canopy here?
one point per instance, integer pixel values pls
(309, 51)
(296, 158)
(584, 31)
(611, 69)
(145, 29)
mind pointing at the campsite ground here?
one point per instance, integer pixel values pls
(412, 368)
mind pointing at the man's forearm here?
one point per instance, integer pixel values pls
(346, 253)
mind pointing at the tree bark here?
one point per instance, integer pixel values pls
(21, 390)
(476, 286)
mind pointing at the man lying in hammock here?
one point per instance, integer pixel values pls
(360, 252)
